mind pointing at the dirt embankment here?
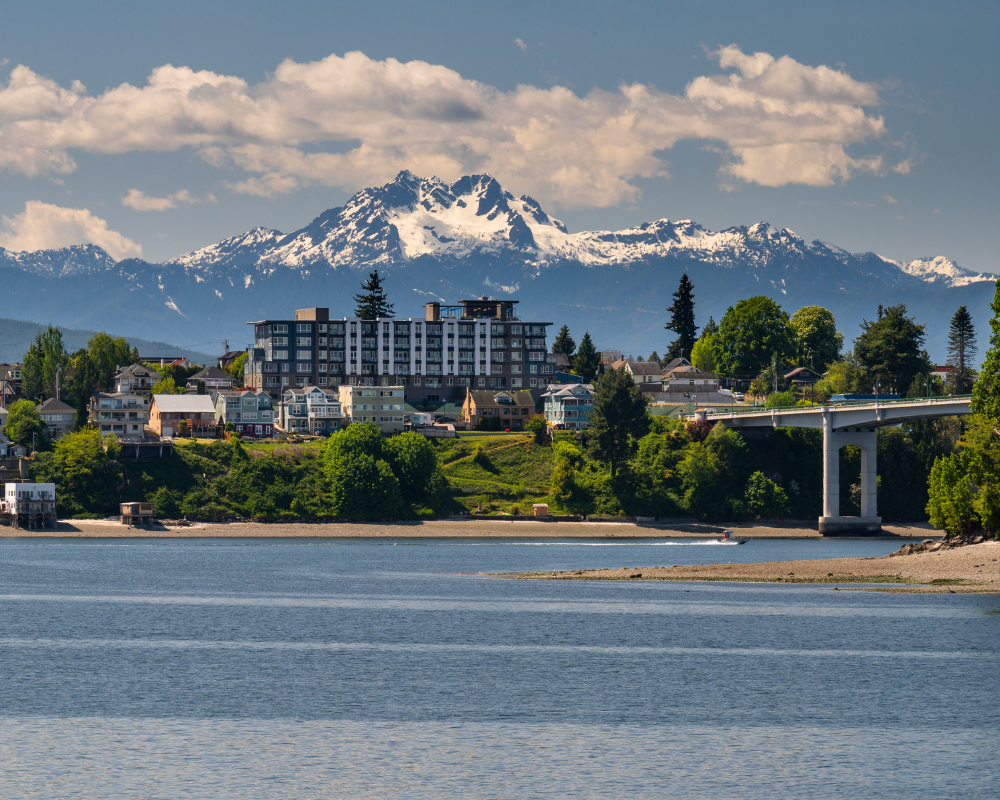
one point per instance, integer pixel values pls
(973, 568)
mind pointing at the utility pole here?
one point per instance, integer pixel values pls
(774, 369)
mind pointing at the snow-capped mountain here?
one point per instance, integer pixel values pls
(413, 217)
(440, 241)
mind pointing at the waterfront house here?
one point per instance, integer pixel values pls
(124, 414)
(569, 406)
(249, 410)
(512, 409)
(312, 409)
(30, 505)
(166, 411)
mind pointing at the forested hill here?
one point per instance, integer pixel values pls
(16, 335)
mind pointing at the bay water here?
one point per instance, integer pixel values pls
(304, 668)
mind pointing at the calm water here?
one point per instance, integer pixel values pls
(305, 669)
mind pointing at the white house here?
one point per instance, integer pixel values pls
(312, 410)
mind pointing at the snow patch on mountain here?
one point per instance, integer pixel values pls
(942, 270)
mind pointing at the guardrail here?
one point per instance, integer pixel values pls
(845, 404)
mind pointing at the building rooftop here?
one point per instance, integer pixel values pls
(495, 398)
(184, 403)
(53, 406)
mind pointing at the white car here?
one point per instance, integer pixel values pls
(738, 397)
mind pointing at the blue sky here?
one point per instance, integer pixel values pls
(869, 125)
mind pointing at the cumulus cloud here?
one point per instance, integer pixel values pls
(777, 121)
(521, 46)
(42, 226)
(890, 199)
(140, 201)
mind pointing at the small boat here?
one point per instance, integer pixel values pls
(729, 538)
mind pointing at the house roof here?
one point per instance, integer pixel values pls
(213, 373)
(138, 371)
(559, 359)
(639, 367)
(687, 373)
(569, 390)
(675, 363)
(802, 373)
(488, 399)
(184, 403)
(330, 393)
(231, 355)
(53, 406)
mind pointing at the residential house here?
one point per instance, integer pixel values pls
(312, 409)
(249, 410)
(512, 408)
(569, 406)
(166, 411)
(136, 379)
(802, 376)
(215, 379)
(30, 505)
(10, 384)
(124, 414)
(57, 416)
(478, 344)
(227, 359)
(641, 371)
(688, 384)
(381, 405)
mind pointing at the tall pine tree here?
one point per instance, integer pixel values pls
(682, 321)
(587, 361)
(372, 303)
(563, 343)
(618, 421)
(961, 350)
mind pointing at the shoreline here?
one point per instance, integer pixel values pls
(434, 529)
(969, 569)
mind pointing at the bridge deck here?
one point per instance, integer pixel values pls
(842, 416)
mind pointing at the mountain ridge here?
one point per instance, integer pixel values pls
(435, 240)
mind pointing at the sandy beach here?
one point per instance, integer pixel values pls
(451, 528)
(973, 568)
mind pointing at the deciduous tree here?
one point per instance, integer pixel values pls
(24, 426)
(108, 353)
(889, 351)
(46, 355)
(751, 334)
(816, 338)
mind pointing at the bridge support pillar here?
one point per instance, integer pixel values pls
(832, 523)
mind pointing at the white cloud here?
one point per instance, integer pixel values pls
(142, 202)
(42, 226)
(777, 122)
(521, 46)
(904, 167)
(892, 201)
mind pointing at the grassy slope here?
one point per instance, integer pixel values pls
(515, 472)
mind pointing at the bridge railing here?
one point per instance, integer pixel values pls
(845, 404)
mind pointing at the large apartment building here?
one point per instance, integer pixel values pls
(480, 344)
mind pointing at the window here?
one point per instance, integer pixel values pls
(515, 329)
(482, 383)
(303, 355)
(279, 329)
(547, 369)
(497, 369)
(304, 327)
(280, 355)
(533, 369)
(304, 367)
(515, 383)
(533, 383)
(536, 356)
(516, 355)
(303, 341)
(515, 369)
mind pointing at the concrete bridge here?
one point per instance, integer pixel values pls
(846, 424)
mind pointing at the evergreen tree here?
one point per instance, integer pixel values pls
(563, 343)
(80, 388)
(618, 421)
(986, 391)
(654, 357)
(711, 327)
(587, 361)
(682, 320)
(372, 303)
(961, 350)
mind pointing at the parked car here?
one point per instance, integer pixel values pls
(738, 397)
